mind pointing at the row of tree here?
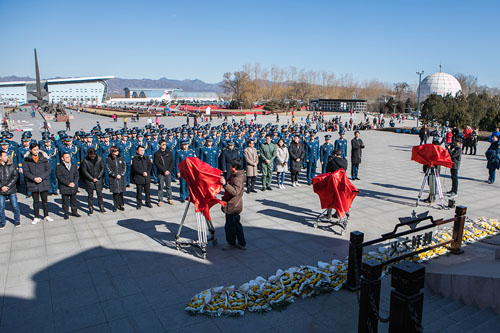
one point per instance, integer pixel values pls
(254, 84)
(478, 110)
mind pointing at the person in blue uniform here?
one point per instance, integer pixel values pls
(71, 149)
(325, 152)
(23, 149)
(180, 156)
(199, 142)
(154, 145)
(341, 144)
(104, 153)
(89, 143)
(312, 154)
(53, 156)
(125, 149)
(210, 154)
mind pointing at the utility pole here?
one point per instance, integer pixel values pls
(418, 95)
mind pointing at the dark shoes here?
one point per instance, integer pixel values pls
(253, 191)
(263, 189)
(138, 207)
(149, 205)
(121, 208)
(269, 188)
(66, 216)
(91, 211)
(75, 214)
(101, 209)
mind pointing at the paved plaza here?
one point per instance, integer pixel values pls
(121, 272)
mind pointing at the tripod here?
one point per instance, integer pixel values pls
(431, 172)
(202, 224)
(327, 217)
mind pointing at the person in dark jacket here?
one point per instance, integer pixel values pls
(423, 134)
(117, 168)
(297, 154)
(228, 155)
(141, 170)
(8, 178)
(336, 162)
(356, 151)
(456, 157)
(164, 163)
(493, 157)
(233, 196)
(67, 177)
(92, 168)
(36, 169)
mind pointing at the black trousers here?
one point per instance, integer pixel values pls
(454, 180)
(147, 191)
(36, 203)
(295, 176)
(118, 200)
(71, 199)
(90, 197)
(234, 230)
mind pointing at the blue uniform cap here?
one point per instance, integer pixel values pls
(328, 137)
(184, 142)
(4, 142)
(341, 133)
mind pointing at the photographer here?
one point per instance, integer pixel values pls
(456, 157)
(336, 162)
(233, 195)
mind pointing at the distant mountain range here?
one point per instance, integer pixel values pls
(116, 85)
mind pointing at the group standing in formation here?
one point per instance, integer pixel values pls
(113, 159)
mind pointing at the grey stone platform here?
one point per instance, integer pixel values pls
(121, 272)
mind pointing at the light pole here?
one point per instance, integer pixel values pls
(418, 95)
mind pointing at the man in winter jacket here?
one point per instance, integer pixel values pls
(233, 196)
(267, 156)
(456, 157)
(164, 163)
(67, 177)
(141, 170)
(8, 178)
(356, 151)
(92, 167)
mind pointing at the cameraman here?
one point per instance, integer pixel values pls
(336, 162)
(456, 157)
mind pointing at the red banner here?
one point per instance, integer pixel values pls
(431, 155)
(335, 191)
(204, 184)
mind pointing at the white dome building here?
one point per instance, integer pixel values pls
(439, 83)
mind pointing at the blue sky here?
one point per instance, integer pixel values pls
(385, 40)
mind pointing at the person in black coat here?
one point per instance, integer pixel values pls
(423, 134)
(297, 153)
(8, 178)
(117, 168)
(36, 170)
(141, 172)
(356, 149)
(164, 163)
(228, 155)
(92, 168)
(456, 157)
(67, 177)
(336, 162)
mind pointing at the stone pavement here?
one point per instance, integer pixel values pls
(121, 272)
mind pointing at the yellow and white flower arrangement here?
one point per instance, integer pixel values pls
(283, 287)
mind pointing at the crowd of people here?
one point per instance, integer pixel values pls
(114, 159)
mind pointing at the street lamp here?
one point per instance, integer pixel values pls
(418, 95)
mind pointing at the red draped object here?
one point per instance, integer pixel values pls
(431, 155)
(335, 191)
(204, 184)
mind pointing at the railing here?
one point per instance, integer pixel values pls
(407, 277)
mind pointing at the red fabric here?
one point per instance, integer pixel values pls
(335, 191)
(203, 181)
(431, 155)
(467, 133)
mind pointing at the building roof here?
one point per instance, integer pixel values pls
(60, 81)
(439, 83)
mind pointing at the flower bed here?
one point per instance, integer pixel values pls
(282, 288)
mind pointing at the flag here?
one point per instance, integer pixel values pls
(431, 155)
(335, 191)
(204, 184)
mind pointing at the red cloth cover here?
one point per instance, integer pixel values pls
(203, 181)
(335, 191)
(431, 155)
